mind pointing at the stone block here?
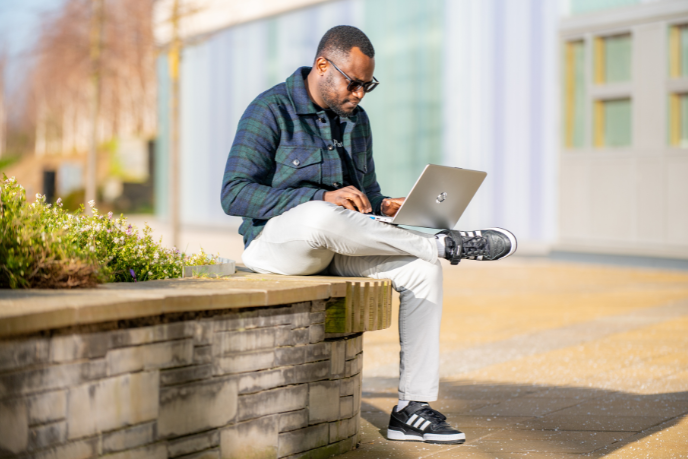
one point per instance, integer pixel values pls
(193, 444)
(81, 449)
(240, 363)
(112, 403)
(49, 378)
(337, 358)
(132, 437)
(354, 346)
(263, 380)
(318, 351)
(317, 318)
(300, 336)
(320, 402)
(196, 407)
(318, 305)
(21, 353)
(316, 333)
(14, 425)
(301, 315)
(67, 348)
(166, 354)
(300, 440)
(156, 451)
(254, 319)
(347, 386)
(310, 372)
(357, 393)
(185, 374)
(47, 407)
(47, 435)
(145, 335)
(354, 366)
(291, 355)
(203, 333)
(293, 420)
(202, 354)
(255, 439)
(284, 336)
(346, 407)
(323, 452)
(208, 454)
(273, 401)
(242, 341)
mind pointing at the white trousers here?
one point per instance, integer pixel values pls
(318, 236)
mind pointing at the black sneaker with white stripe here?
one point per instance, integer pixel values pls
(418, 422)
(483, 245)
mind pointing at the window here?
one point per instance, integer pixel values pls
(574, 87)
(678, 116)
(678, 51)
(613, 123)
(613, 59)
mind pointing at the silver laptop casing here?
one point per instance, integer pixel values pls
(438, 198)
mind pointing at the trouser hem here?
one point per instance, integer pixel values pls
(417, 397)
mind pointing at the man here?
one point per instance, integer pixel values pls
(301, 173)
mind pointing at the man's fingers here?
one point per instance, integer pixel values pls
(347, 204)
(360, 199)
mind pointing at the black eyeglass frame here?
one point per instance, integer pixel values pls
(355, 84)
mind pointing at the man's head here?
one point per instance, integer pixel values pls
(348, 49)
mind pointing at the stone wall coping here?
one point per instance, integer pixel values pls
(35, 310)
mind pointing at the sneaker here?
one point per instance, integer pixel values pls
(418, 422)
(484, 245)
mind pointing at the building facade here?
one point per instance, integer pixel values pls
(623, 158)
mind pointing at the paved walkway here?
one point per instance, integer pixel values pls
(548, 360)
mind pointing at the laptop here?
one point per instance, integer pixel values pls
(438, 199)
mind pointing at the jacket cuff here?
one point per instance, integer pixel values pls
(319, 196)
(376, 204)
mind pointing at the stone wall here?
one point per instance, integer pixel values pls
(241, 383)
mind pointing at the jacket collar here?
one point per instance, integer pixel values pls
(296, 88)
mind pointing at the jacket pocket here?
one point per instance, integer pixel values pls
(297, 165)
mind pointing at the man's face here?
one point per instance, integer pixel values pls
(333, 89)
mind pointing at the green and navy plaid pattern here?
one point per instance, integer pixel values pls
(282, 156)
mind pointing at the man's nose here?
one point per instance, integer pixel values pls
(359, 92)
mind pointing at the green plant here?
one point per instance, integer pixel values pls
(45, 246)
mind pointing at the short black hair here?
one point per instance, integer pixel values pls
(340, 40)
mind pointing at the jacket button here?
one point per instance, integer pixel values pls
(322, 120)
(296, 162)
(330, 147)
(336, 184)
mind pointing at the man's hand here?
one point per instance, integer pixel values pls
(390, 206)
(349, 197)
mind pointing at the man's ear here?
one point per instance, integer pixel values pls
(321, 65)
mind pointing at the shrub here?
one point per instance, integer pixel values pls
(42, 245)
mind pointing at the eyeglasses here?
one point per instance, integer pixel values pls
(354, 85)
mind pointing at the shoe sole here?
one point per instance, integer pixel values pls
(512, 239)
(456, 439)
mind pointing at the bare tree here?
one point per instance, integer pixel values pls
(61, 106)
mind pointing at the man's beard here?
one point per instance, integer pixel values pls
(328, 94)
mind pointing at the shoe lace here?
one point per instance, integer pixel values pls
(474, 246)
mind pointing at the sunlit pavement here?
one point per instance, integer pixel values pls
(548, 360)
(540, 359)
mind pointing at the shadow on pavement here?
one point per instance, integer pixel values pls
(510, 420)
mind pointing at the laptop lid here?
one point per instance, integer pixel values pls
(439, 197)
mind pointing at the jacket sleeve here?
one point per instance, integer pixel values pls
(246, 185)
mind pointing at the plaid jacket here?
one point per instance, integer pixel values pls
(282, 156)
